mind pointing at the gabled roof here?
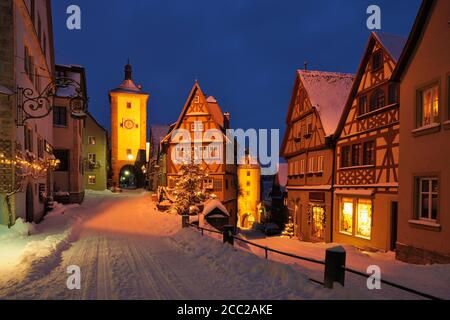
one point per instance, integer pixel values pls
(212, 105)
(96, 122)
(392, 49)
(414, 38)
(393, 44)
(327, 92)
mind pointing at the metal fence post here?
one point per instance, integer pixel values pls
(334, 266)
(184, 221)
(227, 233)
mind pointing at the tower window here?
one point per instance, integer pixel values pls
(128, 105)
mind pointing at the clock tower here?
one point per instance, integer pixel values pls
(128, 132)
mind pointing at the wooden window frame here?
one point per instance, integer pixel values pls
(419, 104)
(378, 52)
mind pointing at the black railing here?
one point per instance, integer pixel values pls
(334, 271)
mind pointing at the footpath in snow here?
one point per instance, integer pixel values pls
(126, 249)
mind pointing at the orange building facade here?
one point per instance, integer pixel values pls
(424, 75)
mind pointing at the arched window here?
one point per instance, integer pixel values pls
(377, 100)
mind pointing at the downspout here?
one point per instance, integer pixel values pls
(333, 171)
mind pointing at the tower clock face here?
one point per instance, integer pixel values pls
(128, 124)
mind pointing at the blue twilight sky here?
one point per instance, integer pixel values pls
(243, 52)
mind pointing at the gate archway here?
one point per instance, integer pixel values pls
(128, 177)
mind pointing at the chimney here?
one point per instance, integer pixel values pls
(226, 120)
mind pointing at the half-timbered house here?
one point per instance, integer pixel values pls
(199, 135)
(316, 106)
(367, 151)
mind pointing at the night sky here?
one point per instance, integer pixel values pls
(243, 52)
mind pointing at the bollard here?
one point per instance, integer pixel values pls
(334, 266)
(228, 234)
(184, 221)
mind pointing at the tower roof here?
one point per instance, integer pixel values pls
(128, 85)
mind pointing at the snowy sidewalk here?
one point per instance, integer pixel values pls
(431, 279)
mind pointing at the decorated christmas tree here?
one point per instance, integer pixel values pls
(288, 231)
(189, 192)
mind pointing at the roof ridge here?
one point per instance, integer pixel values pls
(329, 73)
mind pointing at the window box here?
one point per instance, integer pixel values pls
(428, 129)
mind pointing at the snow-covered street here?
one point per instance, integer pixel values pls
(126, 249)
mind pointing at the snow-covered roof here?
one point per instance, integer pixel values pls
(394, 44)
(212, 204)
(328, 92)
(69, 91)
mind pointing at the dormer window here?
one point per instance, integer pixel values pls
(377, 60)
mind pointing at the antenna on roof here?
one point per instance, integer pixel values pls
(305, 65)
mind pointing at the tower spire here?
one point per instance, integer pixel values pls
(128, 70)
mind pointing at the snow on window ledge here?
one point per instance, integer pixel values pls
(426, 223)
(428, 129)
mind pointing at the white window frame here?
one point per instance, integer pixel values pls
(302, 167)
(197, 126)
(320, 160)
(311, 165)
(92, 156)
(430, 194)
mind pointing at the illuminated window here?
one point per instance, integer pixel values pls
(91, 140)
(92, 179)
(213, 152)
(346, 216)
(208, 184)
(364, 218)
(428, 109)
(197, 126)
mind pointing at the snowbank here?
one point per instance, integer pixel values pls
(20, 229)
(259, 278)
(28, 250)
